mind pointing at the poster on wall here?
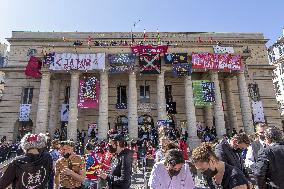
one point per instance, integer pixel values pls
(258, 113)
(70, 61)
(175, 58)
(89, 93)
(203, 92)
(25, 110)
(222, 50)
(64, 112)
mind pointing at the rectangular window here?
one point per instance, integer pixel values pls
(168, 93)
(121, 95)
(67, 95)
(27, 96)
(144, 94)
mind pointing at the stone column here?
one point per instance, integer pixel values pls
(231, 110)
(53, 112)
(245, 104)
(218, 108)
(42, 110)
(208, 116)
(161, 100)
(73, 106)
(132, 107)
(103, 106)
(190, 113)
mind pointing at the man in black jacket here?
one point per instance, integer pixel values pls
(230, 151)
(31, 170)
(269, 169)
(121, 168)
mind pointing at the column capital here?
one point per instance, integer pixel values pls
(75, 73)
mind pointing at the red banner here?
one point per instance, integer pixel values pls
(89, 93)
(149, 49)
(216, 61)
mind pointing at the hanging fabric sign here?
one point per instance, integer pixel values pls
(149, 49)
(121, 63)
(69, 61)
(150, 64)
(33, 67)
(216, 61)
(174, 58)
(121, 59)
(49, 58)
(121, 69)
(182, 69)
(64, 112)
(25, 110)
(258, 113)
(89, 93)
(253, 92)
(223, 50)
(203, 92)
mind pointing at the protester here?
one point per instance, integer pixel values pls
(120, 175)
(256, 146)
(31, 170)
(230, 150)
(70, 170)
(217, 174)
(183, 146)
(172, 172)
(55, 155)
(160, 153)
(93, 162)
(269, 169)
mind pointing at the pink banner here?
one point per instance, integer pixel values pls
(149, 49)
(216, 61)
(89, 93)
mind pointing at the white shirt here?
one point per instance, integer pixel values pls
(249, 161)
(160, 178)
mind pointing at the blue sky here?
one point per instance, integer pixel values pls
(118, 15)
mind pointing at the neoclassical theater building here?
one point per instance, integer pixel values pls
(111, 80)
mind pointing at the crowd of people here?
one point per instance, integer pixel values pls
(236, 162)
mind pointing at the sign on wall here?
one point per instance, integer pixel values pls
(223, 50)
(69, 61)
(25, 110)
(64, 112)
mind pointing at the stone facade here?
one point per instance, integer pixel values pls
(49, 92)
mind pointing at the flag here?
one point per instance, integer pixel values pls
(150, 63)
(144, 36)
(90, 39)
(33, 67)
(158, 37)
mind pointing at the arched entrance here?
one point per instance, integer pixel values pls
(24, 128)
(121, 123)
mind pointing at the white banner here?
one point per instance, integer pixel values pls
(25, 110)
(69, 61)
(258, 113)
(64, 112)
(223, 50)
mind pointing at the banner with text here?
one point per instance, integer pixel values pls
(216, 61)
(70, 61)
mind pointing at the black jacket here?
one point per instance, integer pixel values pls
(227, 154)
(28, 171)
(269, 169)
(120, 176)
